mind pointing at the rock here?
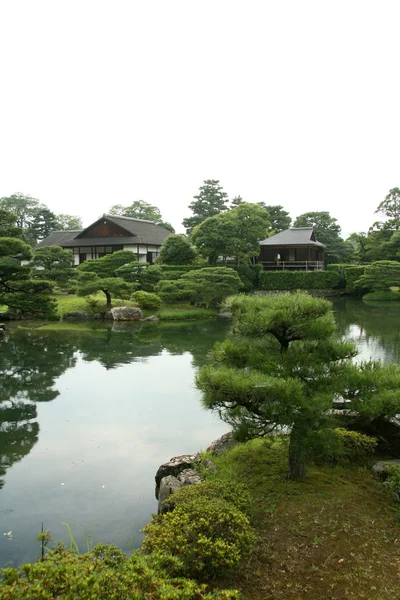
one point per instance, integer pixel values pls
(108, 316)
(224, 315)
(384, 468)
(209, 466)
(168, 485)
(190, 477)
(222, 444)
(152, 319)
(176, 465)
(126, 313)
(97, 316)
(77, 315)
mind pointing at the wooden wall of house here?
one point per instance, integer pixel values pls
(289, 254)
(105, 229)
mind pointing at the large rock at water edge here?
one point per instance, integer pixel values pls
(190, 477)
(176, 465)
(222, 444)
(168, 485)
(126, 313)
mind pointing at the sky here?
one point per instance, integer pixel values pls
(285, 102)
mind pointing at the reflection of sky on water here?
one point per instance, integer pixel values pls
(103, 437)
(368, 347)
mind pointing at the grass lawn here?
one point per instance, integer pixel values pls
(334, 536)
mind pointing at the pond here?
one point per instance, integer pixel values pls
(89, 413)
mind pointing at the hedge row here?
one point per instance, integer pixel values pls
(351, 274)
(298, 280)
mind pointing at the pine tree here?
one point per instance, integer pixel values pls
(210, 201)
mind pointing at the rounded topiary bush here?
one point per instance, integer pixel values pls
(209, 536)
(147, 300)
(235, 494)
(344, 446)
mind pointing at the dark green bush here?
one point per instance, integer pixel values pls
(208, 536)
(382, 295)
(298, 280)
(249, 276)
(351, 274)
(345, 446)
(234, 493)
(147, 300)
(106, 573)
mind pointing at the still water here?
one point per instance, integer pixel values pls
(87, 416)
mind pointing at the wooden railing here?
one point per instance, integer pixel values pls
(305, 265)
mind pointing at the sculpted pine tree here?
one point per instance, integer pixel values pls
(210, 201)
(283, 365)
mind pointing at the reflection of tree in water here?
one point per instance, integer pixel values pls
(31, 361)
(378, 325)
(29, 364)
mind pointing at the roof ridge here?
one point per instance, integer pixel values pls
(128, 218)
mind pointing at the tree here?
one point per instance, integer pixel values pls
(235, 234)
(141, 210)
(279, 218)
(68, 222)
(283, 365)
(236, 201)
(17, 290)
(381, 275)
(210, 201)
(108, 264)
(142, 275)
(8, 226)
(390, 208)
(43, 222)
(53, 264)
(21, 206)
(327, 231)
(177, 250)
(358, 243)
(89, 283)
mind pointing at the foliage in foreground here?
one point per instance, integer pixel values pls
(208, 535)
(283, 365)
(147, 300)
(105, 573)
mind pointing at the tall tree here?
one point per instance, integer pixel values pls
(283, 365)
(390, 208)
(176, 249)
(89, 283)
(141, 210)
(108, 264)
(66, 222)
(8, 227)
(236, 201)
(53, 264)
(279, 218)
(327, 231)
(43, 222)
(210, 201)
(21, 206)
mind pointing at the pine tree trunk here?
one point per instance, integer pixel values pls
(108, 296)
(297, 455)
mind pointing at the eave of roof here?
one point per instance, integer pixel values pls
(295, 236)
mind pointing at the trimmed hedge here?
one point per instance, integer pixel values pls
(351, 274)
(298, 280)
(383, 296)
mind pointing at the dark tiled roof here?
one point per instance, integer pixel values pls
(295, 236)
(138, 231)
(58, 238)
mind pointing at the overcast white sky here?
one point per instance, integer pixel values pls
(286, 102)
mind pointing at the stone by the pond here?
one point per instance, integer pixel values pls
(152, 319)
(126, 313)
(222, 444)
(77, 315)
(168, 485)
(224, 315)
(108, 315)
(209, 466)
(190, 477)
(176, 465)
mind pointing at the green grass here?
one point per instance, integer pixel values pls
(383, 296)
(334, 535)
(180, 312)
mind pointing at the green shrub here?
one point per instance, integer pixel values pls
(105, 573)
(345, 446)
(207, 535)
(382, 295)
(351, 275)
(147, 300)
(234, 493)
(298, 280)
(249, 276)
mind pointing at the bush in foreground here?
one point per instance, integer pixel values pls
(105, 573)
(147, 300)
(234, 493)
(208, 536)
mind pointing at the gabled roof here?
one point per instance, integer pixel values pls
(137, 231)
(295, 236)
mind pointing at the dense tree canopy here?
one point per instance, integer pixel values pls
(279, 218)
(283, 365)
(53, 263)
(8, 227)
(67, 222)
(90, 283)
(43, 222)
(380, 275)
(108, 264)
(21, 206)
(210, 201)
(176, 249)
(327, 231)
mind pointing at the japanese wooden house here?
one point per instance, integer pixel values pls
(293, 249)
(109, 234)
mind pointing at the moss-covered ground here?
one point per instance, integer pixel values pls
(334, 536)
